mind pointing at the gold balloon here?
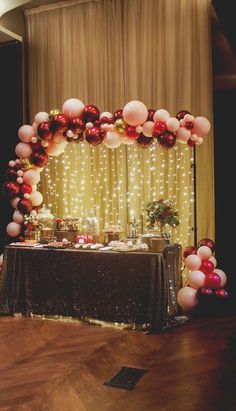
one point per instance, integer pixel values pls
(54, 112)
(25, 164)
(120, 125)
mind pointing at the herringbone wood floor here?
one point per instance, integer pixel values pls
(56, 366)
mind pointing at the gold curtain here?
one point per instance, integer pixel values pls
(107, 53)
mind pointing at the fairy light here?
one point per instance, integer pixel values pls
(114, 185)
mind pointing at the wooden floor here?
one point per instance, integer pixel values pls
(62, 367)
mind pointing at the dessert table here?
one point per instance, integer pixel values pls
(136, 288)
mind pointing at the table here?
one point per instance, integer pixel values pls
(135, 288)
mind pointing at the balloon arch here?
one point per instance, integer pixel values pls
(51, 132)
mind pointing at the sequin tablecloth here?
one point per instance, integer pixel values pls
(133, 288)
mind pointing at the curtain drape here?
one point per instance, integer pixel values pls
(107, 53)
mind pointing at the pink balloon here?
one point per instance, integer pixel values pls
(183, 135)
(172, 124)
(213, 260)
(222, 275)
(31, 177)
(18, 217)
(25, 133)
(73, 107)
(148, 128)
(1, 259)
(112, 139)
(201, 126)
(187, 298)
(23, 150)
(41, 117)
(135, 113)
(161, 115)
(196, 279)
(36, 198)
(193, 262)
(13, 229)
(204, 252)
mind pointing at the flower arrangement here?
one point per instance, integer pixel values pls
(31, 222)
(162, 213)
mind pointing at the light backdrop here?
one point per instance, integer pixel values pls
(107, 53)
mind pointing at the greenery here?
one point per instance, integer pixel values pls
(161, 212)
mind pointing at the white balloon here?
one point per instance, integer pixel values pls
(187, 298)
(135, 113)
(40, 118)
(213, 260)
(196, 279)
(172, 124)
(106, 114)
(223, 277)
(161, 115)
(183, 135)
(36, 198)
(1, 260)
(26, 133)
(73, 107)
(13, 229)
(112, 139)
(23, 150)
(204, 252)
(18, 217)
(31, 177)
(148, 128)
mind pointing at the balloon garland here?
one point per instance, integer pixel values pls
(51, 132)
(204, 279)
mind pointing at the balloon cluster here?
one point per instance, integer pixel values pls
(204, 279)
(51, 132)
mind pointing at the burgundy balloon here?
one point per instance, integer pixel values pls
(143, 141)
(36, 146)
(191, 143)
(25, 188)
(24, 206)
(117, 114)
(207, 267)
(131, 132)
(180, 115)
(97, 123)
(151, 113)
(167, 140)
(76, 125)
(11, 189)
(59, 122)
(189, 250)
(159, 128)
(90, 113)
(104, 120)
(208, 242)
(222, 293)
(188, 125)
(11, 174)
(39, 158)
(212, 280)
(206, 291)
(94, 136)
(44, 130)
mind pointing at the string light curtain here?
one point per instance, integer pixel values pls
(108, 53)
